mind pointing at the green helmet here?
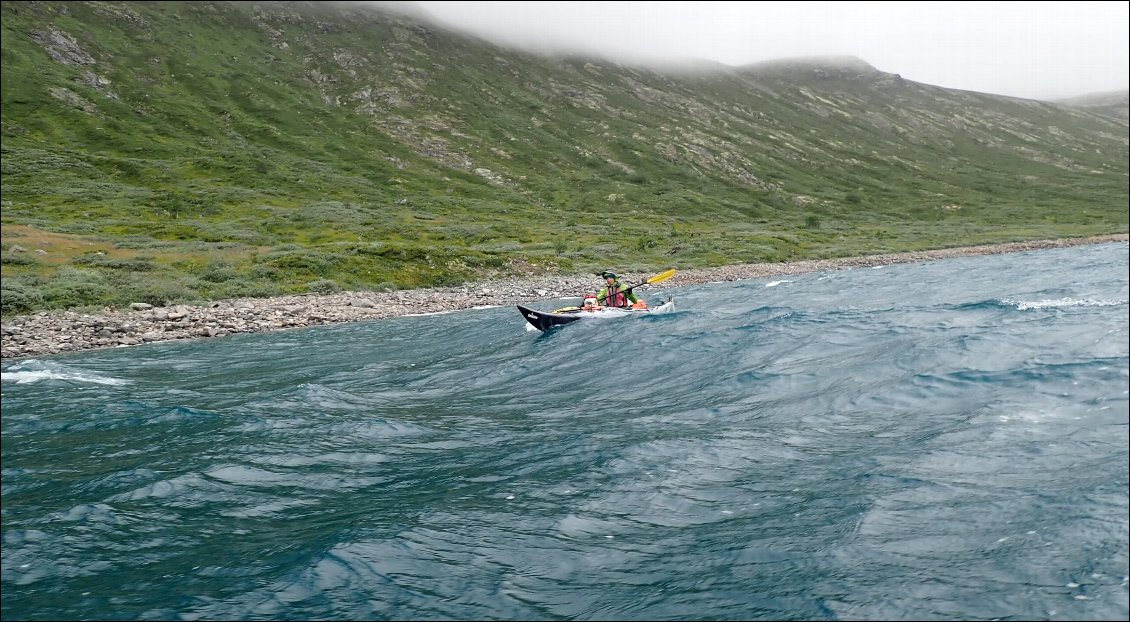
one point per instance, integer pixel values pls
(607, 273)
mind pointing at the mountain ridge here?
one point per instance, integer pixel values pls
(223, 149)
(1111, 103)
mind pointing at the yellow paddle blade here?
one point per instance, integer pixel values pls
(662, 276)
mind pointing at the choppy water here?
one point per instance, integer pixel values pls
(945, 440)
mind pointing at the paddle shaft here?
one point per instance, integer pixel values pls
(662, 276)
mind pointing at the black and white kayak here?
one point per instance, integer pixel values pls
(545, 320)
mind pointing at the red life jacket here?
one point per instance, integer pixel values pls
(616, 298)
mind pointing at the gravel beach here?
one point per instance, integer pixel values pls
(47, 333)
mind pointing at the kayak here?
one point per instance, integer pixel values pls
(545, 320)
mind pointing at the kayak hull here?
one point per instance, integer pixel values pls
(545, 320)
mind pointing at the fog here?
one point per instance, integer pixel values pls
(1039, 50)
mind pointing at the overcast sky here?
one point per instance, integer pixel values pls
(1039, 50)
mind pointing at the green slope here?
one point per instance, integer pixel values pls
(190, 150)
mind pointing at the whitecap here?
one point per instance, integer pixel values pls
(1024, 305)
(33, 370)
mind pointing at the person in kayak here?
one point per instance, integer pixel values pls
(590, 303)
(616, 294)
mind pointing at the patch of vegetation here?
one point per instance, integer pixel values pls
(159, 151)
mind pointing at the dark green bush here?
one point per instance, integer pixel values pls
(323, 286)
(74, 287)
(18, 259)
(17, 296)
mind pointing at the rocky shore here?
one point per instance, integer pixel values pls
(47, 333)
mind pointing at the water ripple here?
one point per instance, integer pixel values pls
(945, 440)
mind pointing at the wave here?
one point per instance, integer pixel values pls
(34, 370)
(1045, 303)
(1059, 303)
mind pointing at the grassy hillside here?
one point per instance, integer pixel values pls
(198, 150)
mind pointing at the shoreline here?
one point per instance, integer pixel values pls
(47, 333)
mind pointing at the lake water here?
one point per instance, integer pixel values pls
(944, 440)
